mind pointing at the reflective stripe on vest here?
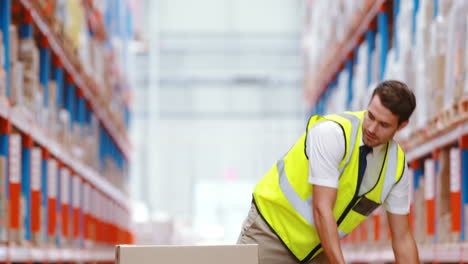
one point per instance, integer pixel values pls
(391, 168)
(354, 130)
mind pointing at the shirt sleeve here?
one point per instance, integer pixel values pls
(397, 201)
(325, 149)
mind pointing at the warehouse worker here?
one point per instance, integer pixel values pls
(336, 174)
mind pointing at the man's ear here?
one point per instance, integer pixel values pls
(402, 125)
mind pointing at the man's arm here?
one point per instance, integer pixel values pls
(323, 202)
(404, 246)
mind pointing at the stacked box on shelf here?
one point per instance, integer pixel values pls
(15, 197)
(85, 224)
(456, 45)
(419, 204)
(33, 90)
(443, 216)
(430, 171)
(36, 195)
(52, 195)
(65, 178)
(76, 202)
(359, 85)
(16, 68)
(455, 194)
(29, 55)
(424, 17)
(437, 64)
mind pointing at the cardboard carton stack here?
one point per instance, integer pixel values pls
(52, 118)
(420, 214)
(443, 216)
(456, 46)
(16, 68)
(29, 55)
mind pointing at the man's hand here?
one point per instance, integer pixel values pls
(404, 246)
(323, 202)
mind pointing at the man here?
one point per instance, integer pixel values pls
(337, 173)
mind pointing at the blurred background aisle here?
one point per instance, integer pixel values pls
(221, 101)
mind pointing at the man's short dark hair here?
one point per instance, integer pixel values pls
(397, 97)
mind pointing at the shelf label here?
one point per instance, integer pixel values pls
(15, 158)
(65, 177)
(429, 176)
(76, 191)
(455, 172)
(36, 161)
(52, 173)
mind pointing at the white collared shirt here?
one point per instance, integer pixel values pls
(326, 148)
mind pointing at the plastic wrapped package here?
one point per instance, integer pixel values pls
(64, 128)
(39, 112)
(74, 21)
(456, 45)
(17, 83)
(404, 31)
(330, 22)
(14, 44)
(444, 7)
(405, 72)
(443, 215)
(375, 59)
(342, 91)
(29, 55)
(437, 66)
(391, 70)
(420, 214)
(421, 84)
(424, 20)
(360, 77)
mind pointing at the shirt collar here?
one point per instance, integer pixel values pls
(375, 149)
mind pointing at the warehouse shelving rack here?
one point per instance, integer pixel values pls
(86, 85)
(90, 249)
(449, 129)
(342, 52)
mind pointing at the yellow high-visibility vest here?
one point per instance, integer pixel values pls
(284, 195)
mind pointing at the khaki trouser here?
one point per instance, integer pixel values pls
(270, 248)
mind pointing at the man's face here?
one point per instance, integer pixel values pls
(380, 124)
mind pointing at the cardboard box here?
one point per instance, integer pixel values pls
(17, 83)
(226, 254)
(14, 44)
